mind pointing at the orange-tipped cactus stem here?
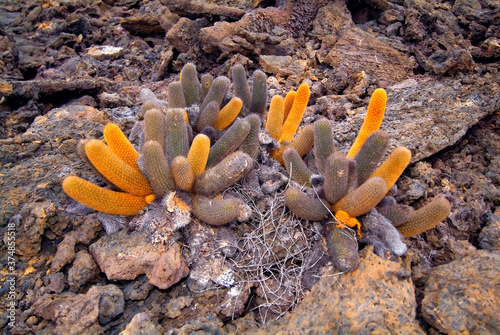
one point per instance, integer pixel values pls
(175, 95)
(80, 149)
(115, 169)
(394, 166)
(373, 120)
(217, 212)
(120, 145)
(304, 206)
(296, 112)
(157, 169)
(183, 174)
(362, 199)
(290, 97)
(426, 217)
(198, 154)
(228, 113)
(101, 199)
(304, 140)
(275, 117)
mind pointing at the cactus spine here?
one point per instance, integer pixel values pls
(370, 154)
(217, 91)
(342, 247)
(290, 97)
(176, 139)
(323, 143)
(296, 112)
(296, 167)
(259, 93)
(182, 173)
(175, 95)
(275, 117)
(154, 126)
(336, 177)
(241, 87)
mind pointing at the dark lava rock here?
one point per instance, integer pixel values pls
(463, 296)
(81, 314)
(82, 271)
(489, 237)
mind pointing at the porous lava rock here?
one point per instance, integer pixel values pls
(463, 297)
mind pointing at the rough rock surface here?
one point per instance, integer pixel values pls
(124, 257)
(463, 296)
(378, 297)
(83, 313)
(412, 108)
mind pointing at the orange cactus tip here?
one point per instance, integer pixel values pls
(149, 198)
(345, 220)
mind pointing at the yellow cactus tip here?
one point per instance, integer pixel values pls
(345, 219)
(149, 198)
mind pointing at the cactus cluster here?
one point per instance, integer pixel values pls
(199, 142)
(192, 150)
(116, 164)
(283, 119)
(349, 186)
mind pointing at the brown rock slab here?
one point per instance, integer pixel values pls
(362, 51)
(489, 237)
(29, 225)
(141, 324)
(463, 297)
(82, 271)
(439, 111)
(124, 257)
(377, 298)
(283, 65)
(82, 313)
